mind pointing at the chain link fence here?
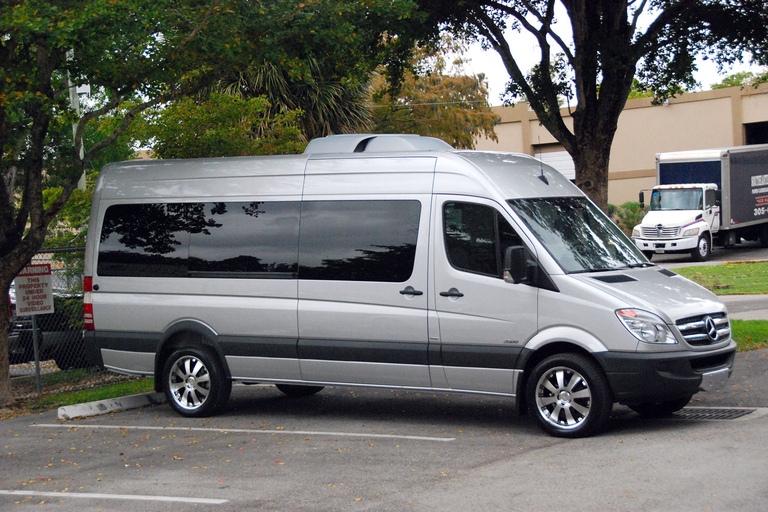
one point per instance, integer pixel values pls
(60, 334)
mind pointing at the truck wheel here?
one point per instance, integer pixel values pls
(195, 383)
(569, 396)
(702, 250)
(648, 254)
(660, 409)
(298, 391)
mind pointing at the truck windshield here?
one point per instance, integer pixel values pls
(677, 199)
(578, 235)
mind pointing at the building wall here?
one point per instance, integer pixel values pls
(700, 120)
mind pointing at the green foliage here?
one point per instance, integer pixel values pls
(434, 101)
(627, 215)
(742, 79)
(730, 278)
(222, 125)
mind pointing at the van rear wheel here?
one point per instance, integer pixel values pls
(569, 396)
(195, 382)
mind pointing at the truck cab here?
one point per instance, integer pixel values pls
(682, 218)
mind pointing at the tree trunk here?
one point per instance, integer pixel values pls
(6, 394)
(591, 161)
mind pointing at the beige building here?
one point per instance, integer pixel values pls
(725, 117)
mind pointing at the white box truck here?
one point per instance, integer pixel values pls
(705, 198)
(393, 262)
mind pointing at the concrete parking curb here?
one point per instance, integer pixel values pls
(69, 412)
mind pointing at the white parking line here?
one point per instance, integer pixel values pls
(250, 431)
(133, 497)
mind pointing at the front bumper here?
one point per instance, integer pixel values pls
(642, 377)
(661, 246)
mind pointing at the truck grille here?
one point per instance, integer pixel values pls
(661, 233)
(705, 329)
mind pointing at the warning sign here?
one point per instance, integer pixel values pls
(33, 290)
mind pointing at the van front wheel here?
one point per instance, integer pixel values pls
(569, 396)
(195, 383)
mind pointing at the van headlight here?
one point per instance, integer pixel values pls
(646, 326)
(691, 232)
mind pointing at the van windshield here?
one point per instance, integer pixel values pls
(578, 234)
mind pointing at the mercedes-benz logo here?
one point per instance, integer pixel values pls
(709, 324)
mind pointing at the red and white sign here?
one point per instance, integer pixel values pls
(34, 295)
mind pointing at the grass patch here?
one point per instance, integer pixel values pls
(70, 387)
(131, 387)
(730, 278)
(750, 334)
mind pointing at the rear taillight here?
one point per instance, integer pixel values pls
(88, 324)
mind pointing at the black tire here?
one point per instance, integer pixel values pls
(569, 396)
(648, 254)
(660, 409)
(703, 249)
(195, 383)
(298, 391)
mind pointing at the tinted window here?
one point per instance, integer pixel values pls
(476, 237)
(255, 239)
(246, 238)
(358, 240)
(144, 240)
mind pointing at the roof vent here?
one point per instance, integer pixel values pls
(379, 143)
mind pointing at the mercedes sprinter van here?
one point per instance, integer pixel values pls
(389, 261)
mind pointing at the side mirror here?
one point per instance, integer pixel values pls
(718, 197)
(642, 199)
(517, 266)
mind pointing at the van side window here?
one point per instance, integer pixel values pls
(256, 239)
(358, 240)
(476, 237)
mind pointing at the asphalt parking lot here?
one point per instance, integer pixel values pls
(388, 450)
(381, 450)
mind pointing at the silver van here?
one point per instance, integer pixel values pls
(389, 261)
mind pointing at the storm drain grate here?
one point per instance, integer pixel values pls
(711, 414)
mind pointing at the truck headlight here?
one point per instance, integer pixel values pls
(691, 232)
(646, 326)
(636, 233)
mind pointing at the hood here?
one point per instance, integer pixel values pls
(670, 218)
(656, 290)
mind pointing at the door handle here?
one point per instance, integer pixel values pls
(453, 292)
(410, 290)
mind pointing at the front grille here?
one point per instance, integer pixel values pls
(653, 232)
(700, 331)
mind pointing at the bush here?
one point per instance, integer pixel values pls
(627, 215)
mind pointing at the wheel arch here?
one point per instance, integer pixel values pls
(187, 333)
(558, 340)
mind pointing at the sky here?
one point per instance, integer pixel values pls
(489, 62)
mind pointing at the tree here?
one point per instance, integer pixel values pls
(602, 45)
(434, 101)
(222, 125)
(138, 54)
(332, 99)
(742, 79)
